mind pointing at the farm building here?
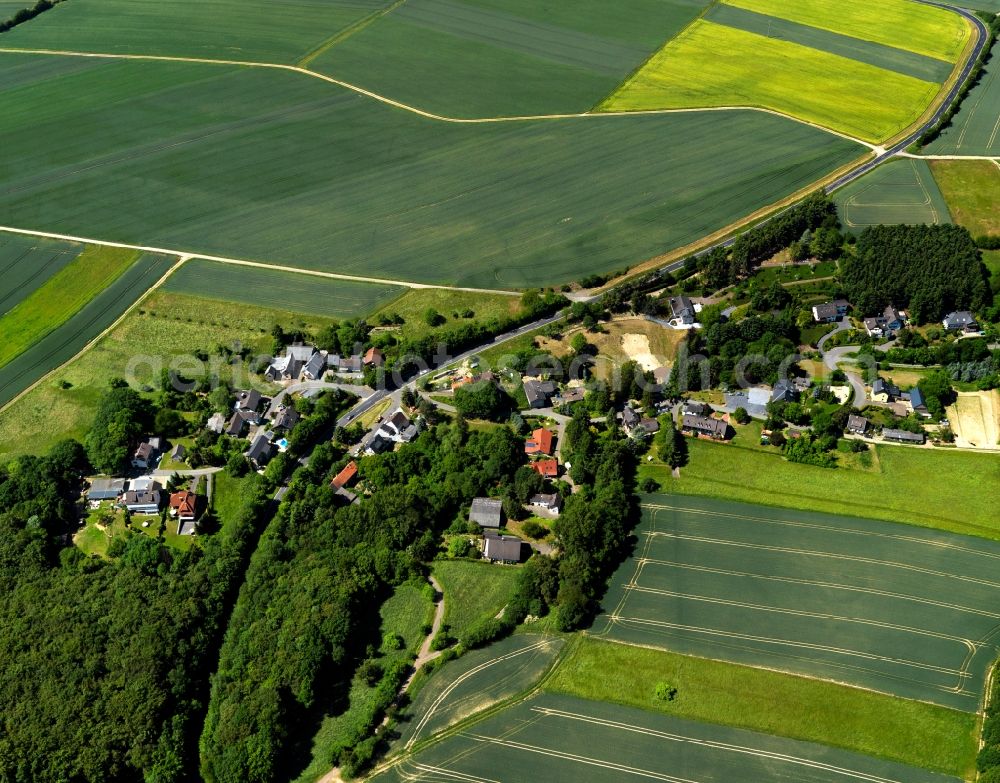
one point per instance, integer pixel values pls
(486, 512)
(902, 436)
(503, 549)
(105, 489)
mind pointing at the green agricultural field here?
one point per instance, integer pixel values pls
(714, 65)
(901, 610)
(489, 58)
(908, 732)
(278, 290)
(26, 263)
(559, 738)
(900, 60)
(900, 191)
(164, 327)
(64, 342)
(473, 591)
(970, 187)
(895, 488)
(253, 30)
(975, 128)
(902, 24)
(476, 681)
(269, 165)
(61, 297)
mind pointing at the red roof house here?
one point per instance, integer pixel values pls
(346, 476)
(183, 505)
(547, 468)
(540, 442)
(374, 357)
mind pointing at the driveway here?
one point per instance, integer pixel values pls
(835, 355)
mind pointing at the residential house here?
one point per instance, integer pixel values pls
(629, 419)
(105, 489)
(240, 422)
(550, 502)
(569, 396)
(301, 352)
(315, 368)
(216, 423)
(784, 391)
(830, 312)
(918, 403)
(538, 392)
(398, 428)
(143, 501)
(503, 549)
(248, 400)
(961, 319)
(184, 508)
(345, 365)
(682, 310)
(146, 453)
(696, 408)
(374, 358)
(346, 477)
(884, 391)
(487, 513)
(648, 426)
(178, 452)
(378, 443)
(260, 450)
(283, 368)
(902, 436)
(857, 425)
(540, 442)
(893, 319)
(285, 418)
(546, 468)
(716, 429)
(874, 327)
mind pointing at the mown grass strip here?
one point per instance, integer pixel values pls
(714, 65)
(62, 296)
(903, 24)
(910, 732)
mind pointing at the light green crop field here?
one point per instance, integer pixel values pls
(487, 58)
(882, 56)
(26, 263)
(904, 24)
(164, 327)
(975, 128)
(61, 297)
(558, 738)
(908, 732)
(276, 289)
(900, 191)
(895, 488)
(476, 681)
(252, 30)
(901, 610)
(275, 166)
(473, 591)
(970, 187)
(714, 65)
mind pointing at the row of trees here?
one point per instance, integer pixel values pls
(27, 14)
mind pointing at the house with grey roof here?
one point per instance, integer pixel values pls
(146, 453)
(347, 365)
(503, 549)
(902, 436)
(696, 408)
(216, 423)
(857, 425)
(551, 501)
(884, 391)
(682, 309)
(260, 450)
(918, 403)
(105, 489)
(285, 418)
(486, 512)
(539, 392)
(143, 501)
(830, 312)
(241, 422)
(315, 368)
(248, 400)
(716, 429)
(960, 319)
(178, 453)
(784, 391)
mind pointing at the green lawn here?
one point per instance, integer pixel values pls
(896, 488)
(60, 297)
(910, 732)
(473, 591)
(488, 58)
(915, 27)
(970, 187)
(275, 289)
(274, 166)
(165, 326)
(255, 30)
(715, 65)
(900, 191)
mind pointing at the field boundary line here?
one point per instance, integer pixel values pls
(431, 115)
(257, 264)
(117, 322)
(346, 32)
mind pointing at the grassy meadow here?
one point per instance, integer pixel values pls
(894, 488)
(910, 732)
(275, 289)
(899, 191)
(473, 591)
(60, 297)
(164, 327)
(915, 27)
(714, 65)
(270, 166)
(413, 305)
(970, 187)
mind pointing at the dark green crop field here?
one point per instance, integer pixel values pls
(560, 739)
(60, 345)
(256, 30)
(26, 263)
(975, 129)
(274, 166)
(280, 290)
(485, 58)
(907, 611)
(900, 191)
